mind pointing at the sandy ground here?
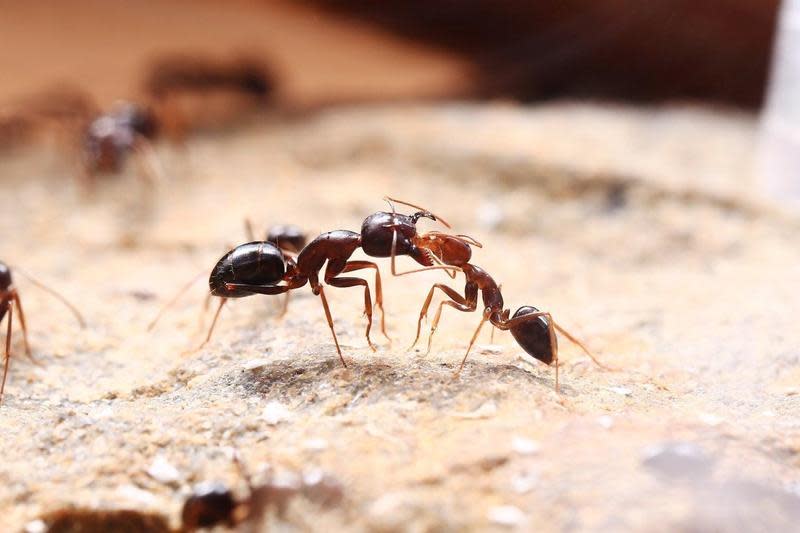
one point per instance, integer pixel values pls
(638, 229)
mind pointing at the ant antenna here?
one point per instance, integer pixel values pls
(174, 299)
(54, 294)
(437, 217)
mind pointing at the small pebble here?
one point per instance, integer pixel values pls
(506, 515)
(524, 482)
(678, 460)
(252, 364)
(486, 410)
(136, 495)
(315, 445)
(163, 471)
(525, 446)
(275, 413)
(490, 215)
(710, 419)
(36, 526)
(622, 391)
(606, 421)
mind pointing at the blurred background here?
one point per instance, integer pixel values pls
(328, 51)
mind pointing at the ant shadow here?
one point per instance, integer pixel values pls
(414, 378)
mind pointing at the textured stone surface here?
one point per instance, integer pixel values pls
(638, 229)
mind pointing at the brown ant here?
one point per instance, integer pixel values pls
(112, 137)
(9, 299)
(533, 330)
(194, 91)
(258, 268)
(289, 239)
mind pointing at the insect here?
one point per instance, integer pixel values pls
(191, 92)
(112, 137)
(259, 268)
(534, 330)
(10, 300)
(290, 239)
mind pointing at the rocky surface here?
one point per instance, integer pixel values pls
(639, 229)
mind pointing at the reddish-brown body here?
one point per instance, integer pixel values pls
(382, 235)
(531, 328)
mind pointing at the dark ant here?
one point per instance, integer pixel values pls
(9, 299)
(183, 89)
(533, 330)
(213, 503)
(289, 239)
(258, 267)
(111, 137)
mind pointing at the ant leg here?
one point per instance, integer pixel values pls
(248, 229)
(285, 307)
(354, 282)
(8, 345)
(203, 311)
(330, 324)
(424, 311)
(213, 323)
(174, 299)
(54, 294)
(491, 337)
(471, 342)
(358, 265)
(18, 303)
(151, 171)
(580, 344)
(467, 307)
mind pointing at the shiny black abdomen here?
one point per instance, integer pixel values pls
(533, 336)
(254, 263)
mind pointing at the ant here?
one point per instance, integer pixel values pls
(213, 503)
(258, 267)
(9, 300)
(194, 91)
(534, 330)
(111, 137)
(288, 238)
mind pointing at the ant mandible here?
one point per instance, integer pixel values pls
(9, 299)
(533, 330)
(258, 268)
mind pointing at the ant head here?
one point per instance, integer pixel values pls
(448, 249)
(287, 237)
(380, 229)
(5, 276)
(209, 505)
(534, 336)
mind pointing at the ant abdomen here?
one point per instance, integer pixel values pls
(209, 505)
(254, 263)
(534, 335)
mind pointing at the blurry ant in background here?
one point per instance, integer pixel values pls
(533, 330)
(9, 300)
(192, 92)
(255, 268)
(111, 137)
